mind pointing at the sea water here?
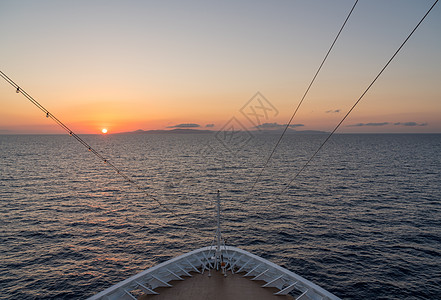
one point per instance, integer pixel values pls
(362, 220)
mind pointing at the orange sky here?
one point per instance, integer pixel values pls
(152, 65)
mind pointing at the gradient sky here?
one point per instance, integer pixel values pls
(128, 65)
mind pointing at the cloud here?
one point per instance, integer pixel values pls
(185, 125)
(209, 125)
(276, 126)
(408, 124)
(333, 111)
(369, 124)
(411, 124)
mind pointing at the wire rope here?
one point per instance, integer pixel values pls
(359, 99)
(84, 143)
(301, 101)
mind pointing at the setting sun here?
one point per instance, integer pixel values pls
(104, 130)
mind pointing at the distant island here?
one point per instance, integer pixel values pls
(175, 131)
(289, 131)
(202, 131)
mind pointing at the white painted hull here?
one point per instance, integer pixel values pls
(201, 260)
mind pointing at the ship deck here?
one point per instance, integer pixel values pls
(216, 287)
(187, 277)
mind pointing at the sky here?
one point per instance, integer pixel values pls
(129, 65)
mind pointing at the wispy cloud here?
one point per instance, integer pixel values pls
(411, 124)
(333, 111)
(185, 125)
(369, 124)
(209, 125)
(408, 124)
(277, 126)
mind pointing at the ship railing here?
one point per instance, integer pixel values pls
(203, 259)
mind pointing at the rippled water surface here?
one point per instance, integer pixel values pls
(363, 220)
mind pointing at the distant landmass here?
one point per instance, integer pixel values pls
(175, 131)
(289, 131)
(202, 131)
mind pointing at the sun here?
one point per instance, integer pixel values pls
(104, 130)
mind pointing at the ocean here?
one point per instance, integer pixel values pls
(363, 220)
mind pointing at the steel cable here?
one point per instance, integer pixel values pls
(301, 101)
(84, 143)
(359, 99)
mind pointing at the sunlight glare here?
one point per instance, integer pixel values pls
(104, 130)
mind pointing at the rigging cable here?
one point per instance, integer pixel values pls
(301, 101)
(81, 141)
(359, 99)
